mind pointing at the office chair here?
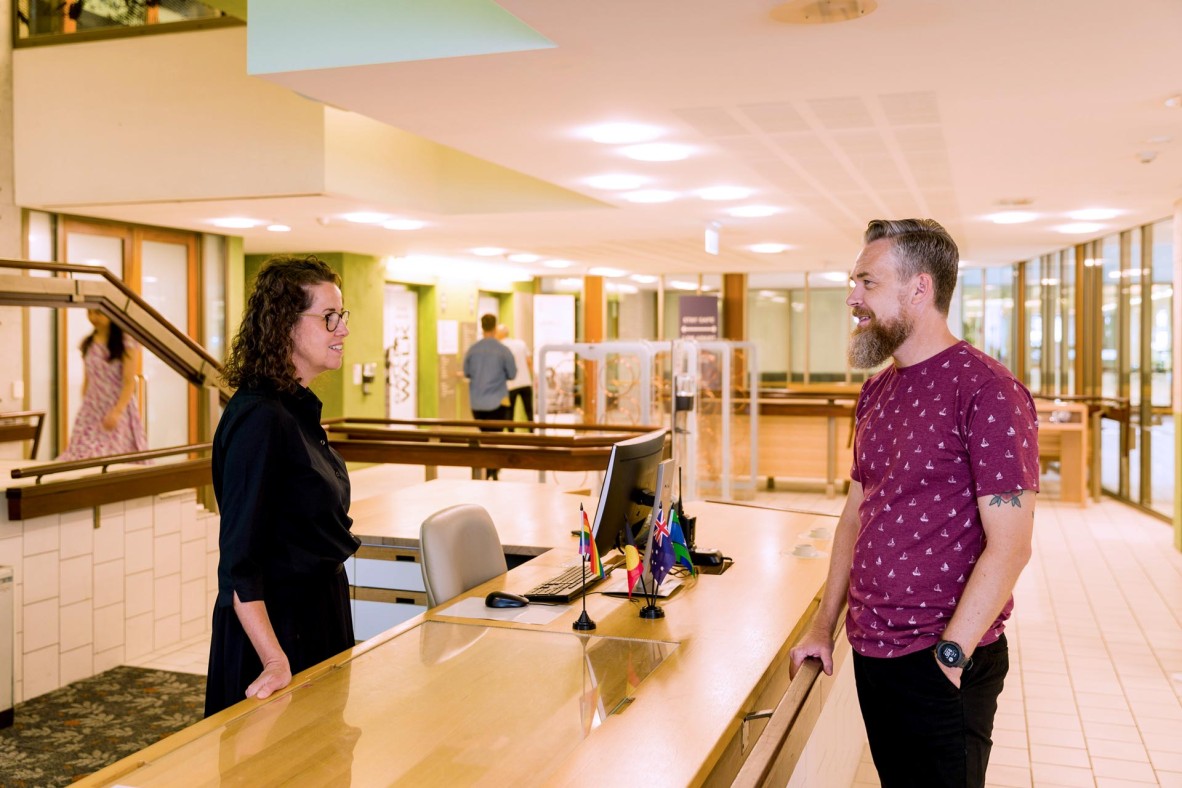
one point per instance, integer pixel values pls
(460, 550)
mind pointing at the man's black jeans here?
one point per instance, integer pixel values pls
(923, 731)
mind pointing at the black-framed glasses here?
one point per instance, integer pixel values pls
(331, 319)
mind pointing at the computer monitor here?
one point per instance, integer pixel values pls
(628, 487)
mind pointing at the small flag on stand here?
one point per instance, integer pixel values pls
(587, 545)
(680, 550)
(662, 560)
(631, 559)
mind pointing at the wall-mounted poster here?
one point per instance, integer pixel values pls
(698, 317)
(400, 338)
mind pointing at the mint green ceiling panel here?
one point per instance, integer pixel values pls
(305, 35)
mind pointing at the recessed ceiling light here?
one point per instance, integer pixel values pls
(836, 276)
(1079, 228)
(237, 222)
(610, 273)
(366, 217)
(725, 193)
(576, 284)
(650, 196)
(626, 289)
(616, 181)
(279, 228)
(657, 151)
(1159, 139)
(622, 133)
(644, 279)
(404, 224)
(1174, 102)
(1012, 217)
(1093, 214)
(558, 263)
(679, 285)
(769, 248)
(487, 251)
(524, 257)
(753, 211)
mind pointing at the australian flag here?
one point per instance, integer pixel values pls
(662, 557)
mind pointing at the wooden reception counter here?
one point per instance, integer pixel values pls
(448, 701)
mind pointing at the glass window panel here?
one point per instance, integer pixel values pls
(999, 312)
(1067, 312)
(85, 249)
(1131, 281)
(1110, 317)
(797, 335)
(972, 289)
(42, 333)
(1161, 345)
(213, 283)
(768, 317)
(829, 330)
(1034, 324)
(165, 287)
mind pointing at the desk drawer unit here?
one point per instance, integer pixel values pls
(386, 586)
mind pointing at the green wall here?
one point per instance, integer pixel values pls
(361, 287)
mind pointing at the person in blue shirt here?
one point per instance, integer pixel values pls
(489, 366)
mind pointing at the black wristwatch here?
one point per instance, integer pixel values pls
(951, 655)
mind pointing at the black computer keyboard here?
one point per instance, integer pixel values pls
(564, 588)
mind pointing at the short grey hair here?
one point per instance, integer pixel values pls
(922, 246)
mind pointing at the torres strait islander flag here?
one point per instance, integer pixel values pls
(680, 552)
(587, 545)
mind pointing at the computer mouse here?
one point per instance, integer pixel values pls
(504, 599)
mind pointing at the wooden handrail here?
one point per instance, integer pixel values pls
(48, 469)
(66, 268)
(470, 438)
(108, 294)
(758, 768)
(16, 426)
(638, 429)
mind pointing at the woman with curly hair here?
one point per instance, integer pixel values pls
(283, 598)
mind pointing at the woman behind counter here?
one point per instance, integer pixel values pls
(283, 598)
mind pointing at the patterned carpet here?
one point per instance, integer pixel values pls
(62, 736)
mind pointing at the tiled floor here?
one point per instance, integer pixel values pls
(1096, 649)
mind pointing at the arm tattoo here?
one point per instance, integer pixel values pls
(1013, 498)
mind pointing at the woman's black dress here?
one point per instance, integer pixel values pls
(284, 499)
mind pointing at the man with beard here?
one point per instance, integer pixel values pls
(937, 525)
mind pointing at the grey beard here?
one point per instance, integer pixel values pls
(874, 344)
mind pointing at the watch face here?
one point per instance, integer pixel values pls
(949, 653)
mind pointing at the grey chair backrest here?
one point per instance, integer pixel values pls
(460, 550)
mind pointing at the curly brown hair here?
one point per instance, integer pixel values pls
(262, 351)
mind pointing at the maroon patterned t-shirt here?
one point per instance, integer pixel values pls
(931, 439)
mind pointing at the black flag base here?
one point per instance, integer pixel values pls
(584, 623)
(652, 610)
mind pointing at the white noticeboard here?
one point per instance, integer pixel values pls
(448, 337)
